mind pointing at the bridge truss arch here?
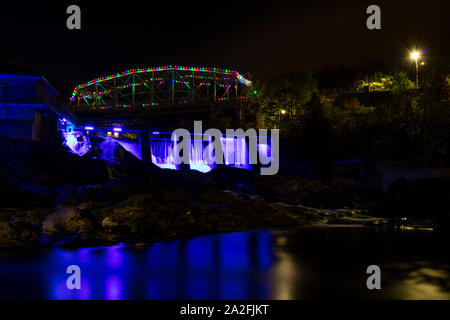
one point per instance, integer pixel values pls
(161, 86)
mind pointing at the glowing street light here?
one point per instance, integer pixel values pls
(415, 55)
(283, 111)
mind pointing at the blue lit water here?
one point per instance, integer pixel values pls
(310, 262)
(164, 150)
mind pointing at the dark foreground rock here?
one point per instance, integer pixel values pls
(152, 217)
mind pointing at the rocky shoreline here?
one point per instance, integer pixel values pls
(143, 219)
(70, 201)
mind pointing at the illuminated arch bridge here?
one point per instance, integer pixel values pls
(161, 86)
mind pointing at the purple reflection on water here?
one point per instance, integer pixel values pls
(210, 267)
(113, 288)
(61, 292)
(114, 256)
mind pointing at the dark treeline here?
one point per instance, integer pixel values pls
(377, 114)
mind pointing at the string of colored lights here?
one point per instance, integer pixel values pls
(152, 104)
(129, 105)
(137, 84)
(236, 74)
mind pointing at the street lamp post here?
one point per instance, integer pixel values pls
(415, 55)
(281, 114)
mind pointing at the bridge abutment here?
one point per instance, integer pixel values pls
(144, 143)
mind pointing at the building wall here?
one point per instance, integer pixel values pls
(16, 122)
(24, 109)
(16, 130)
(49, 129)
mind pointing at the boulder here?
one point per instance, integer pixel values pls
(109, 224)
(13, 234)
(68, 224)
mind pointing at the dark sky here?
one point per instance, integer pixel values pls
(249, 36)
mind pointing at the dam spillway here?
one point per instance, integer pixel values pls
(163, 149)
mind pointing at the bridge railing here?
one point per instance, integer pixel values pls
(161, 86)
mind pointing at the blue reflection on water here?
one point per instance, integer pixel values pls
(217, 266)
(200, 253)
(234, 253)
(60, 291)
(264, 255)
(114, 257)
(113, 288)
(277, 264)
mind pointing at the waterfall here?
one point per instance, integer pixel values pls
(162, 155)
(197, 159)
(108, 148)
(264, 152)
(77, 142)
(235, 152)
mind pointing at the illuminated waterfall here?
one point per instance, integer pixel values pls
(235, 152)
(108, 149)
(162, 153)
(265, 153)
(197, 160)
(77, 142)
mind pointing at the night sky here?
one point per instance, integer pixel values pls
(249, 36)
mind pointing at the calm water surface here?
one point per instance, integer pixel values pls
(301, 263)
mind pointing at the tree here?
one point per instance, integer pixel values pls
(396, 81)
(433, 102)
(283, 100)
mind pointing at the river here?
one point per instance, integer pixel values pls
(318, 262)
